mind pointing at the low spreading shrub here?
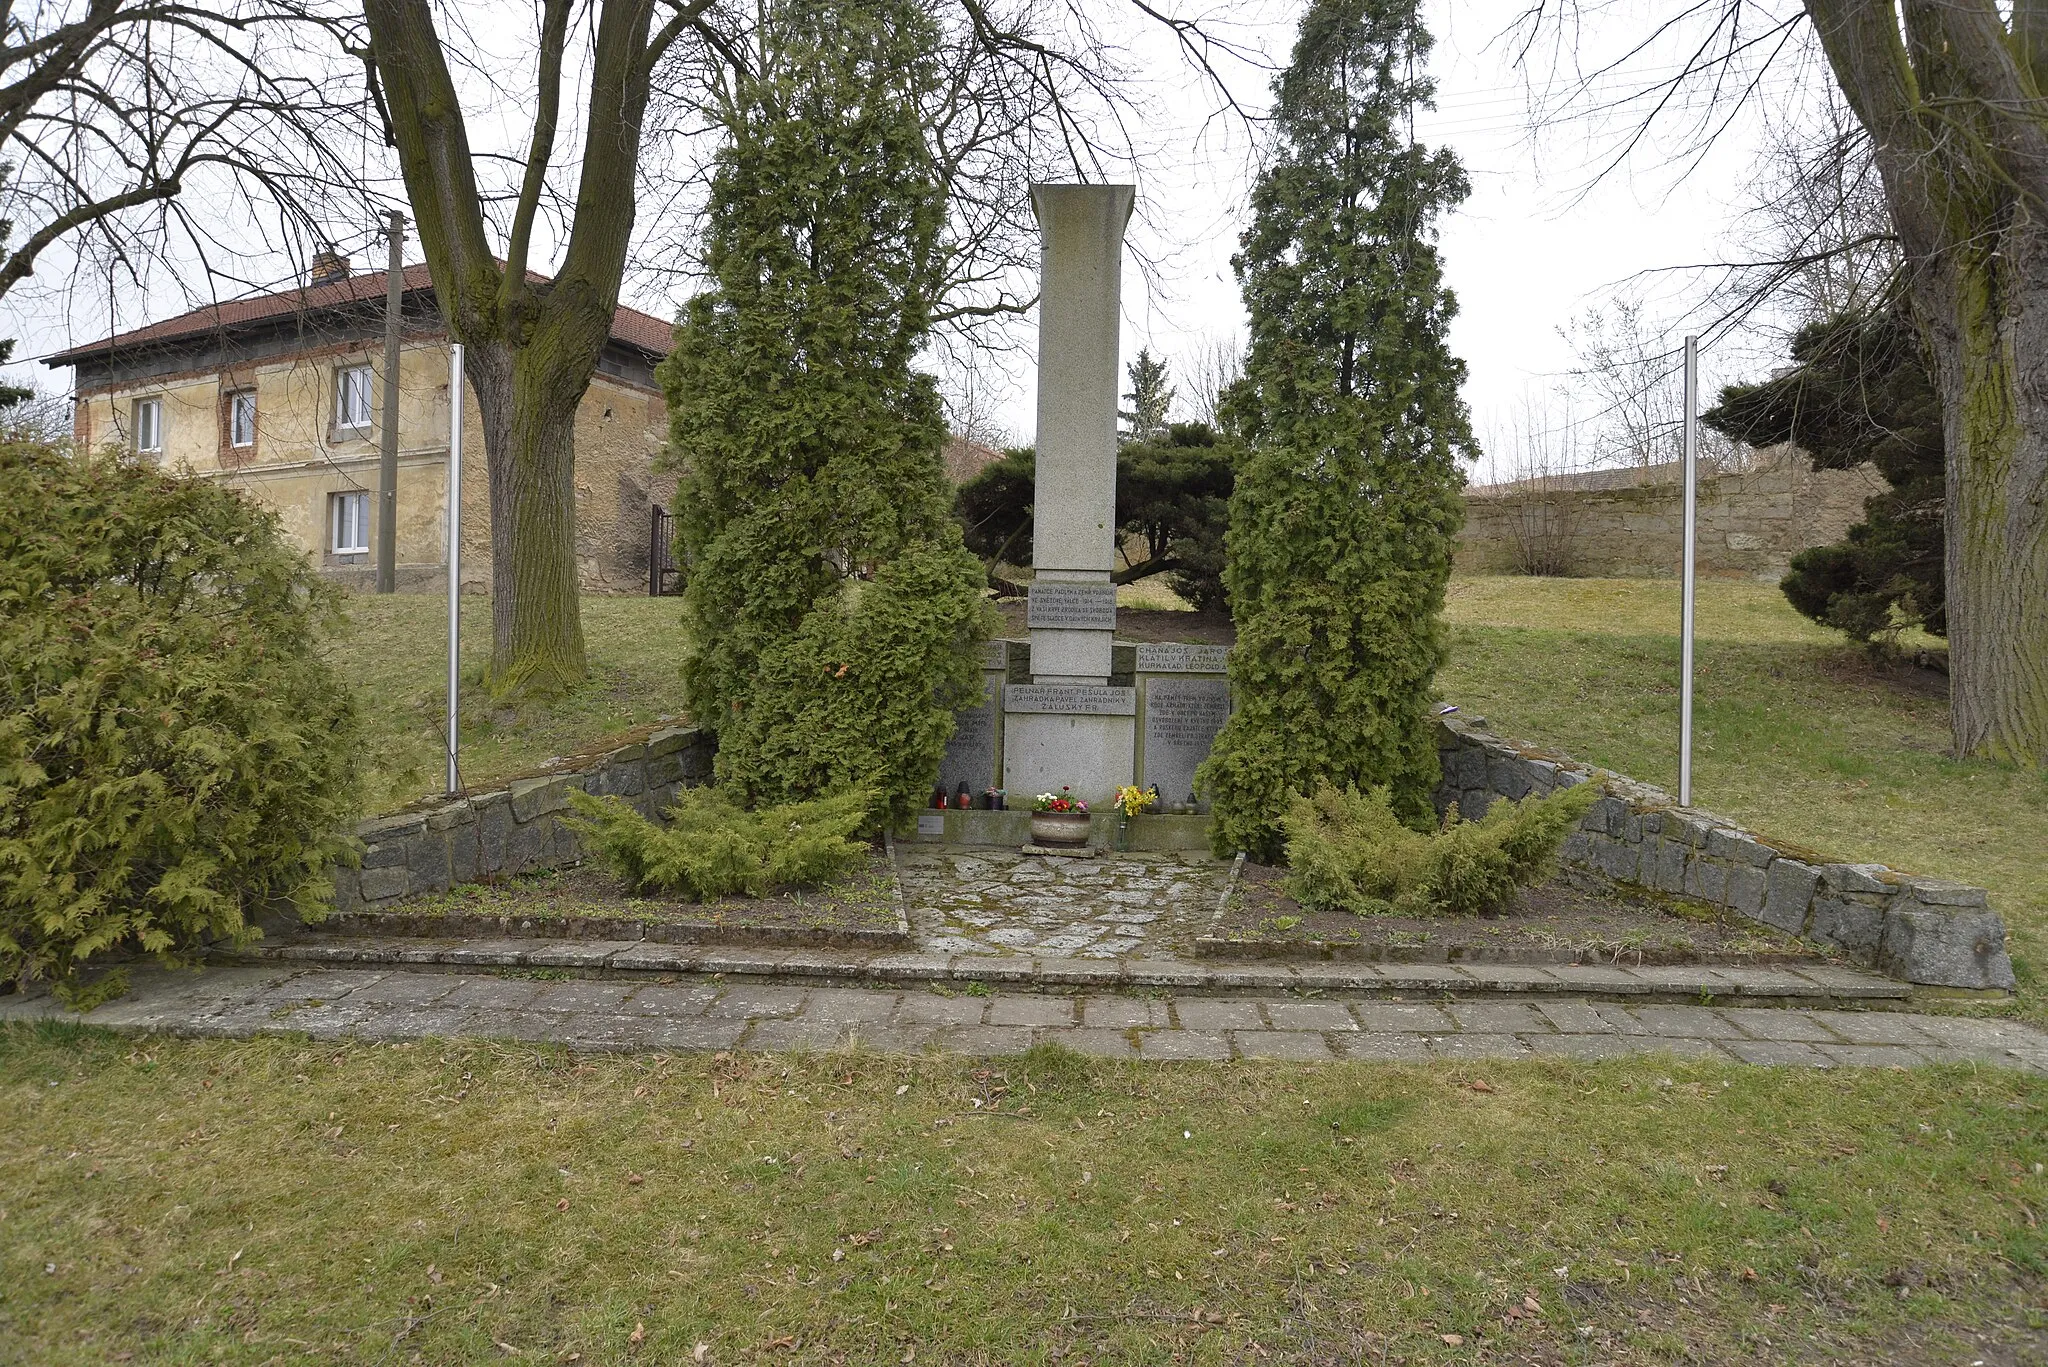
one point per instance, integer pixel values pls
(1348, 851)
(176, 754)
(712, 847)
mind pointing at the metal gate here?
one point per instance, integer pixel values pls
(662, 578)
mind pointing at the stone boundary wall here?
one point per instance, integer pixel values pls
(516, 829)
(1923, 930)
(1751, 523)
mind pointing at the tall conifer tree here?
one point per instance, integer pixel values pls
(833, 611)
(1346, 501)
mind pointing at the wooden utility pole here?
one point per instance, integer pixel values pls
(387, 457)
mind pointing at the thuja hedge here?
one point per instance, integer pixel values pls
(1345, 508)
(834, 612)
(175, 753)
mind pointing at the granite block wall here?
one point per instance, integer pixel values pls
(1922, 930)
(516, 829)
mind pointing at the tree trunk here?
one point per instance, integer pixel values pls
(529, 452)
(1985, 316)
(532, 346)
(1949, 93)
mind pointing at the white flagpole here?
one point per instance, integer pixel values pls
(1692, 452)
(455, 399)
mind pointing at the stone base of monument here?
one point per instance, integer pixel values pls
(1147, 834)
(1064, 851)
(1090, 754)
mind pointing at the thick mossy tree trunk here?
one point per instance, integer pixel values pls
(1951, 92)
(1986, 318)
(530, 455)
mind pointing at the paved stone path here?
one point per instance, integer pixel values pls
(1002, 902)
(689, 1012)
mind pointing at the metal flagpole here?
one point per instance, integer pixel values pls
(1692, 453)
(455, 399)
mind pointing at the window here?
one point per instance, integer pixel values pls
(149, 427)
(349, 515)
(242, 418)
(352, 396)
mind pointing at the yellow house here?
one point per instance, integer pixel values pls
(281, 395)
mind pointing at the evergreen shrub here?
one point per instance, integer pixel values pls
(1345, 506)
(1351, 851)
(176, 753)
(834, 614)
(712, 847)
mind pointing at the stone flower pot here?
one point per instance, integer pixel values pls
(1059, 828)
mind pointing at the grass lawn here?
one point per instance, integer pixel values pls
(395, 652)
(281, 1201)
(1797, 734)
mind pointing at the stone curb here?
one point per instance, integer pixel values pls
(1928, 931)
(1686, 984)
(670, 1016)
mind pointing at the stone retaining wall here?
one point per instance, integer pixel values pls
(1629, 523)
(516, 829)
(1922, 930)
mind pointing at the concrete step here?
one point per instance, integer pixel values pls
(1804, 985)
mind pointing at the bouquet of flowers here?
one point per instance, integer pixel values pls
(1063, 801)
(1133, 799)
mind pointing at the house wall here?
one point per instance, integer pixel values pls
(301, 457)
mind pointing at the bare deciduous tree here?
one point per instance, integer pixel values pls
(1211, 367)
(1950, 93)
(117, 114)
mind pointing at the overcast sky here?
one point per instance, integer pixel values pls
(1528, 252)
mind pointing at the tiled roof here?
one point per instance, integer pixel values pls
(630, 326)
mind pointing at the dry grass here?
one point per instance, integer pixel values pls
(277, 1201)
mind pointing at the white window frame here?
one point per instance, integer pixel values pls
(149, 432)
(241, 401)
(354, 383)
(348, 532)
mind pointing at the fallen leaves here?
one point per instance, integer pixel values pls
(1454, 1340)
(1480, 1084)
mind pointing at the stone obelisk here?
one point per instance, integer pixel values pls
(1068, 727)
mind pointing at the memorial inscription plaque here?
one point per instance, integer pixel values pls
(1182, 717)
(1071, 700)
(1084, 606)
(1174, 658)
(970, 756)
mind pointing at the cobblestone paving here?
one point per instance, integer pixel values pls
(1002, 902)
(694, 1012)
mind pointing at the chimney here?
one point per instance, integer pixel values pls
(328, 266)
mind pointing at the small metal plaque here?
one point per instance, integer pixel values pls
(931, 823)
(1089, 607)
(1073, 700)
(1178, 658)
